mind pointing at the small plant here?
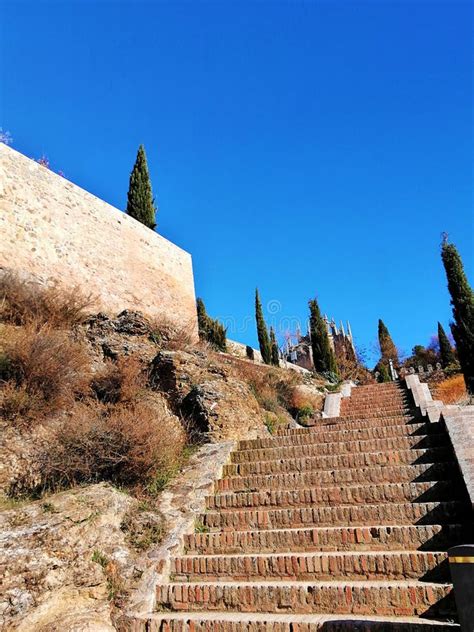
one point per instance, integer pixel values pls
(200, 527)
(99, 558)
(49, 507)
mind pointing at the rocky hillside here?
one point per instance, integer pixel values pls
(97, 415)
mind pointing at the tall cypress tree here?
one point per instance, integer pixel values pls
(446, 352)
(140, 201)
(262, 332)
(323, 356)
(462, 300)
(274, 348)
(388, 349)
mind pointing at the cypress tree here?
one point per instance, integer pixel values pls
(262, 332)
(446, 352)
(210, 329)
(323, 356)
(388, 349)
(140, 201)
(274, 348)
(462, 300)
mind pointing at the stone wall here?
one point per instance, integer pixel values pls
(54, 230)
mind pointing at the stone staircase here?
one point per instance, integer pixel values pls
(340, 527)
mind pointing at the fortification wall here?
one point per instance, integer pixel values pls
(55, 230)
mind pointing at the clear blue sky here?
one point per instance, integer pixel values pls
(309, 148)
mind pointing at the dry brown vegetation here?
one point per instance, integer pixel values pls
(452, 390)
(42, 370)
(171, 335)
(26, 301)
(98, 419)
(127, 444)
(122, 381)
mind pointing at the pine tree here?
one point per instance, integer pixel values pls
(274, 348)
(210, 329)
(323, 356)
(141, 204)
(446, 352)
(388, 349)
(462, 300)
(262, 332)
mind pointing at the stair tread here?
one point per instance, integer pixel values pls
(315, 553)
(290, 618)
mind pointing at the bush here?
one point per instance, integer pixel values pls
(452, 390)
(122, 381)
(127, 444)
(42, 371)
(171, 335)
(24, 302)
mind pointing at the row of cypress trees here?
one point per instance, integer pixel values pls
(141, 206)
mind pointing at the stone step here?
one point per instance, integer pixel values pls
(337, 424)
(379, 415)
(429, 537)
(364, 398)
(339, 447)
(321, 435)
(369, 598)
(264, 622)
(397, 513)
(323, 566)
(340, 461)
(429, 491)
(365, 475)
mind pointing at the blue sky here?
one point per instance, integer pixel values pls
(309, 148)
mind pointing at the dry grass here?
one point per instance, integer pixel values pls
(125, 444)
(123, 381)
(171, 335)
(305, 400)
(273, 388)
(25, 302)
(42, 370)
(452, 390)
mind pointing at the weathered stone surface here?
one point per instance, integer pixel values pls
(206, 392)
(50, 581)
(55, 230)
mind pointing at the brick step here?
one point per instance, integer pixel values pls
(365, 475)
(442, 512)
(367, 398)
(320, 435)
(263, 622)
(353, 416)
(369, 598)
(428, 491)
(340, 461)
(348, 405)
(323, 566)
(337, 424)
(430, 537)
(335, 448)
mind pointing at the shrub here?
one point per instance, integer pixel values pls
(122, 381)
(171, 335)
(45, 371)
(453, 390)
(127, 444)
(24, 302)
